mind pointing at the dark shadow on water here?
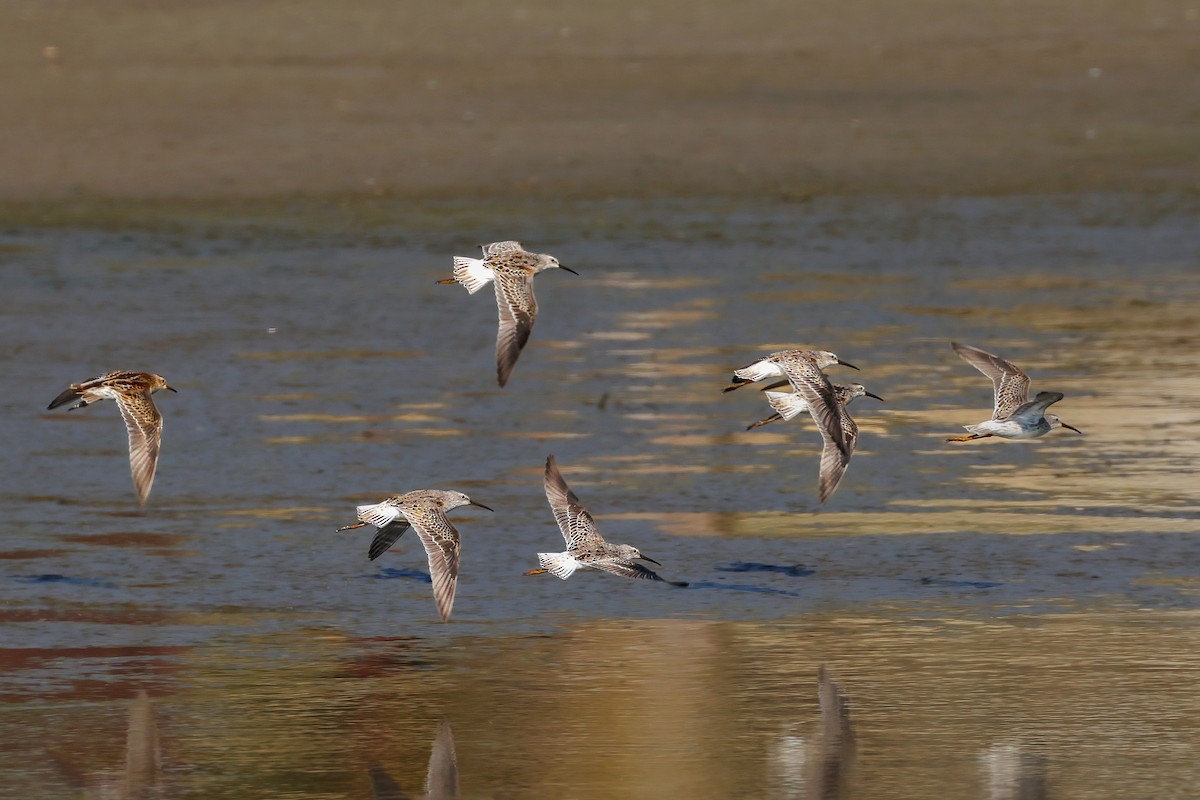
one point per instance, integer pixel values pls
(741, 587)
(67, 579)
(945, 582)
(384, 786)
(795, 570)
(412, 574)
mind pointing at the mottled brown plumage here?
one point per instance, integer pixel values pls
(132, 392)
(1010, 385)
(425, 510)
(833, 460)
(585, 546)
(1014, 416)
(512, 269)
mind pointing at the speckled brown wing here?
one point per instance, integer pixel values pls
(442, 546)
(627, 569)
(576, 523)
(1009, 384)
(518, 310)
(500, 248)
(833, 461)
(145, 426)
(818, 393)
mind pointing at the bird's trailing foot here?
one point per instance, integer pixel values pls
(762, 422)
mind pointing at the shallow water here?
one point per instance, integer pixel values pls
(1002, 617)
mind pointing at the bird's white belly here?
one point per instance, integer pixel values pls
(1005, 429)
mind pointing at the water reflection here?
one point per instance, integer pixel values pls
(1014, 772)
(649, 709)
(441, 782)
(816, 766)
(140, 777)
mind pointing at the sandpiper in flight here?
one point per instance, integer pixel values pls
(1014, 416)
(131, 391)
(511, 268)
(586, 548)
(784, 364)
(802, 369)
(425, 510)
(833, 462)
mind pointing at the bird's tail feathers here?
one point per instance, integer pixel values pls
(787, 404)
(757, 371)
(471, 273)
(559, 564)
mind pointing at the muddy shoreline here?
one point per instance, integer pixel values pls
(151, 104)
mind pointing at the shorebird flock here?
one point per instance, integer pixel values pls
(511, 270)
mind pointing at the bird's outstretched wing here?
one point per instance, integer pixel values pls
(518, 310)
(1009, 384)
(576, 523)
(1036, 407)
(385, 537)
(631, 570)
(496, 248)
(145, 426)
(442, 546)
(818, 394)
(833, 461)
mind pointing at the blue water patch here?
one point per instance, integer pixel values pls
(67, 579)
(794, 570)
(412, 574)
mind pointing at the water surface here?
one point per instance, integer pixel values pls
(999, 615)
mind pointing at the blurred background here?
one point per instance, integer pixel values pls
(256, 200)
(460, 100)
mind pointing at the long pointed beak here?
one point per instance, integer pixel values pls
(171, 389)
(568, 269)
(847, 364)
(1072, 427)
(481, 505)
(877, 397)
(648, 558)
